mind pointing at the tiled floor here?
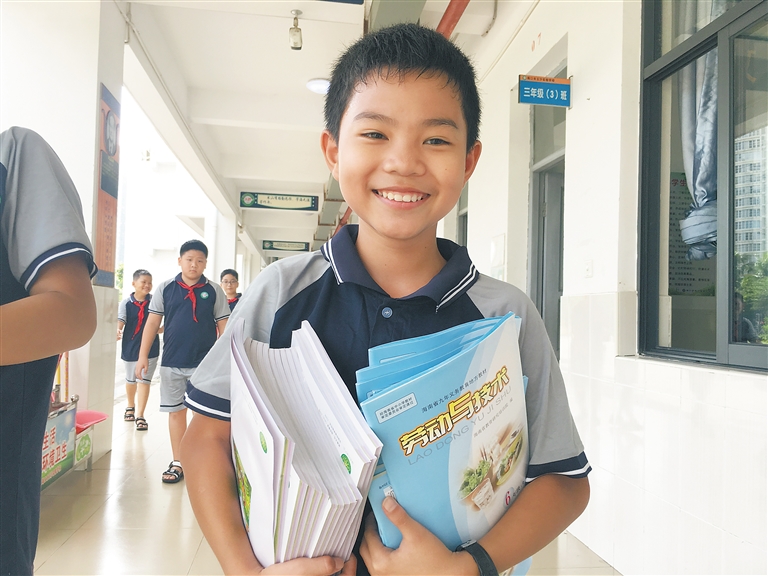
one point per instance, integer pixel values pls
(120, 518)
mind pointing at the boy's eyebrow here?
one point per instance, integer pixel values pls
(387, 120)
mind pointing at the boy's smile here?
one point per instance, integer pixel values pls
(402, 158)
(142, 286)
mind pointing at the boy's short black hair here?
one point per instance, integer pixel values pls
(139, 273)
(393, 52)
(193, 245)
(229, 271)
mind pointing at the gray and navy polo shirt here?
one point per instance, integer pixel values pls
(41, 218)
(134, 315)
(350, 313)
(190, 323)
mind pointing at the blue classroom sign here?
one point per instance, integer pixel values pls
(544, 91)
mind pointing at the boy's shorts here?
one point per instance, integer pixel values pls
(173, 384)
(130, 371)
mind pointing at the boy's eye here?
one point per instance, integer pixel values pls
(436, 141)
(373, 135)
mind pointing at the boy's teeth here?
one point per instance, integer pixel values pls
(401, 197)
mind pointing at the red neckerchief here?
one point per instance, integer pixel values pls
(230, 300)
(142, 306)
(191, 295)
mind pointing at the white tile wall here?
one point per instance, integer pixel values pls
(678, 452)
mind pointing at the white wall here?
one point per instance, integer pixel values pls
(678, 451)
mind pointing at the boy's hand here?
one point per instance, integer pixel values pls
(420, 552)
(323, 566)
(119, 334)
(142, 365)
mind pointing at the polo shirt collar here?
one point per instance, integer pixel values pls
(133, 297)
(455, 278)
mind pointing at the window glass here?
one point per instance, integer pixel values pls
(688, 208)
(680, 19)
(750, 196)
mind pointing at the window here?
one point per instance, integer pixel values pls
(704, 193)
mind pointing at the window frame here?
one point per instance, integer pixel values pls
(717, 35)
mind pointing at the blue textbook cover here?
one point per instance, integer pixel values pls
(455, 435)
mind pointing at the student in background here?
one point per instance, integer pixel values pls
(229, 281)
(132, 315)
(402, 119)
(195, 313)
(46, 308)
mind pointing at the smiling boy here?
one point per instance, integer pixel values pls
(195, 312)
(402, 118)
(132, 315)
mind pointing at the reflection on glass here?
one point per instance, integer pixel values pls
(688, 208)
(750, 192)
(681, 19)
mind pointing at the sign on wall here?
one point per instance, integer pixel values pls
(544, 91)
(109, 164)
(285, 246)
(278, 201)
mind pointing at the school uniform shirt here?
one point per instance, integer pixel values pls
(134, 315)
(233, 302)
(41, 220)
(190, 319)
(350, 314)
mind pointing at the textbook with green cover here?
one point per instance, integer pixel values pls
(304, 456)
(450, 411)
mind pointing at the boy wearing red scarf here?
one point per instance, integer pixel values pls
(195, 312)
(132, 316)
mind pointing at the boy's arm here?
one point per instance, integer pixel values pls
(147, 338)
(221, 324)
(120, 328)
(211, 485)
(58, 315)
(542, 511)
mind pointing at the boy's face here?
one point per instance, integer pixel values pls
(229, 283)
(192, 264)
(401, 159)
(142, 286)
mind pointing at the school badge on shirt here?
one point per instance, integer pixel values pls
(204, 295)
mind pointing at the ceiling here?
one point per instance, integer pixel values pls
(229, 95)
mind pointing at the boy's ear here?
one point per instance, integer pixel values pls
(330, 152)
(470, 162)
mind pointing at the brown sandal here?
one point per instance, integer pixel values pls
(141, 423)
(129, 415)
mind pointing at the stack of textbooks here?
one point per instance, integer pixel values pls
(449, 409)
(304, 456)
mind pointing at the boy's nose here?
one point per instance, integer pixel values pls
(404, 159)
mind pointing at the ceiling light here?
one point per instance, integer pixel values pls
(318, 85)
(294, 32)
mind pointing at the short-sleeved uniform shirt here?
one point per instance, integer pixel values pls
(41, 220)
(233, 302)
(190, 323)
(134, 315)
(350, 314)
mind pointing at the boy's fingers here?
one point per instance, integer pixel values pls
(398, 516)
(350, 567)
(322, 566)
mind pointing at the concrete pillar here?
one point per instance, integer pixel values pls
(221, 239)
(56, 59)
